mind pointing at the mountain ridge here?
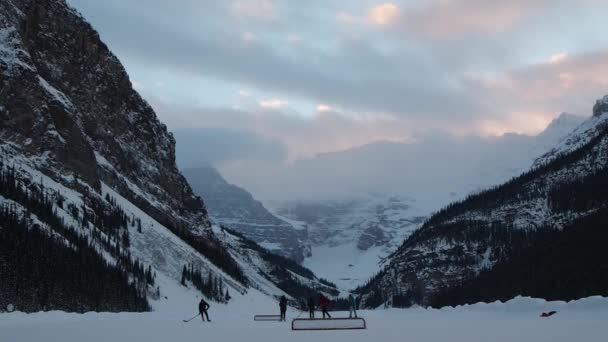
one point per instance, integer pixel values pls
(467, 237)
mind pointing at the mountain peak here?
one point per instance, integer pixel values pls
(601, 106)
(565, 121)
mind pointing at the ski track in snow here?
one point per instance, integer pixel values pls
(516, 320)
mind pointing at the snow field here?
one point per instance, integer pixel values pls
(516, 320)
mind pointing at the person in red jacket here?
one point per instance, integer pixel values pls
(324, 304)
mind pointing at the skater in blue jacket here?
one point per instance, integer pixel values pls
(352, 303)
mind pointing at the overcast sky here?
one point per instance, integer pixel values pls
(289, 79)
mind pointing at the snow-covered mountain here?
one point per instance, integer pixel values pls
(351, 237)
(564, 191)
(234, 207)
(89, 177)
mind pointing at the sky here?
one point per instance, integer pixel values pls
(277, 81)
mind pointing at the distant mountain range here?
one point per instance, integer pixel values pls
(351, 237)
(345, 239)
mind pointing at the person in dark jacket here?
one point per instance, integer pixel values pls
(203, 306)
(324, 304)
(352, 306)
(311, 308)
(283, 307)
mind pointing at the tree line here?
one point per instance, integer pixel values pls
(211, 286)
(47, 265)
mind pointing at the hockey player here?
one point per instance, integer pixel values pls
(283, 307)
(203, 306)
(324, 304)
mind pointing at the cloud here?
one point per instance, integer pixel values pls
(369, 73)
(568, 83)
(346, 18)
(293, 39)
(416, 168)
(216, 145)
(264, 10)
(248, 37)
(558, 58)
(465, 66)
(323, 108)
(452, 19)
(273, 104)
(384, 14)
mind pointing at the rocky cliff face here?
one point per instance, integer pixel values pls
(67, 98)
(234, 207)
(473, 235)
(76, 137)
(601, 106)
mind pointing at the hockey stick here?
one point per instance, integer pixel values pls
(301, 312)
(186, 321)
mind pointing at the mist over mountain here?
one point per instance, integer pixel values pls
(354, 207)
(433, 166)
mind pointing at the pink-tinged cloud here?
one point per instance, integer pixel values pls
(384, 14)
(558, 58)
(563, 83)
(273, 104)
(323, 108)
(448, 19)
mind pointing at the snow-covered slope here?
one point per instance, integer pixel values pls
(351, 238)
(516, 320)
(273, 274)
(580, 136)
(77, 141)
(234, 207)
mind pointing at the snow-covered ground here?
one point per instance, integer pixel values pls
(345, 265)
(516, 320)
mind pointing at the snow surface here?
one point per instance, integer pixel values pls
(516, 320)
(576, 139)
(11, 54)
(328, 324)
(55, 94)
(345, 265)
